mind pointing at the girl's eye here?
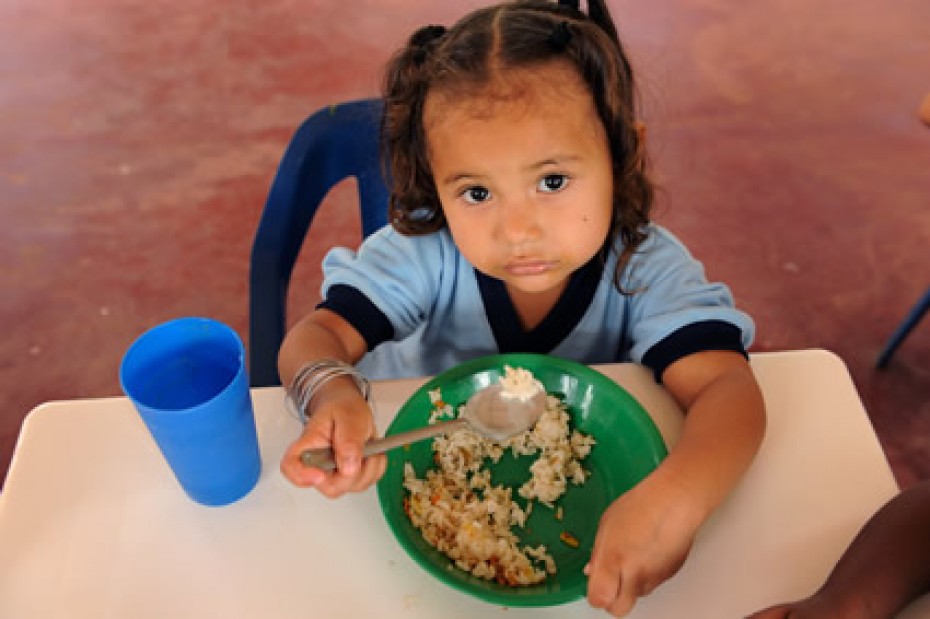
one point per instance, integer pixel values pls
(476, 195)
(551, 183)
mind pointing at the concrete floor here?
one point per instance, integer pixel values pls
(138, 140)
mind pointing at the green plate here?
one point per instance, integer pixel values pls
(628, 448)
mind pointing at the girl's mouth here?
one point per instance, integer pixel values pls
(528, 267)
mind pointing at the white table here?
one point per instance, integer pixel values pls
(92, 523)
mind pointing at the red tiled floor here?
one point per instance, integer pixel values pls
(138, 142)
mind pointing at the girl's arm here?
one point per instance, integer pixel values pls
(646, 534)
(723, 429)
(885, 567)
(339, 417)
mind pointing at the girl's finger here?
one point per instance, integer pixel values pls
(349, 437)
(372, 469)
(627, 595)
(604, 582)
(304, 477)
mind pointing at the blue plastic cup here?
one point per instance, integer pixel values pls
(187, 378)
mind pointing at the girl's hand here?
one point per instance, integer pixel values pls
(642, 540)
(342, 420)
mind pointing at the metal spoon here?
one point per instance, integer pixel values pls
(488, 412)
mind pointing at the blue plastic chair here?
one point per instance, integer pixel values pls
(923, 305)
(904, 329)
(334, 143)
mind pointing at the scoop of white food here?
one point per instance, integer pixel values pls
(519, 383)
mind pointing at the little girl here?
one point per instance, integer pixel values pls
(520, 223)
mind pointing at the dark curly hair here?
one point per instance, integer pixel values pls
(513, 35)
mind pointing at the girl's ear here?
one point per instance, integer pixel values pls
(640, 128)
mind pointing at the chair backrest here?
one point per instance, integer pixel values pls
(334, 143)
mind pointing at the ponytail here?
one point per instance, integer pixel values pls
(403, 138)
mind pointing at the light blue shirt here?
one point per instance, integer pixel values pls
(424, 309)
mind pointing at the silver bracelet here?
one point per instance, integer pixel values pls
(311, 377)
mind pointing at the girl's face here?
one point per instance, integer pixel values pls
(523, 172)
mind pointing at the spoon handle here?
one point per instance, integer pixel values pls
(323, 457)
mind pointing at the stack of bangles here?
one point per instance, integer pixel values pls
(311, 377)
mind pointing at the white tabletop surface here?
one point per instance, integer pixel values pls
(92, 523)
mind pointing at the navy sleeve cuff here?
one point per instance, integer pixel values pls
(696, 337)
(360, 312)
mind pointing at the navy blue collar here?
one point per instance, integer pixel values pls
(558, 323)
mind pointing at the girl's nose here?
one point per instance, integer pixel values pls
(517, 221)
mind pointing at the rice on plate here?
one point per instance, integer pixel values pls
(462, 513)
